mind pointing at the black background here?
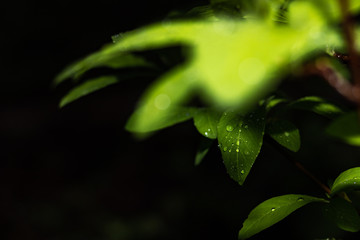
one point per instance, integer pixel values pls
(74, 173)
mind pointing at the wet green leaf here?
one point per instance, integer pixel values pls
(86, 88)
(240, 140)
(285, 133)
(346, 128)
(202, 150)
(343, 214)
(206, 120)
(317, 105)
(272, 211)
(347, 180)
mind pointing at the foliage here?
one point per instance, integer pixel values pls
(236, 53)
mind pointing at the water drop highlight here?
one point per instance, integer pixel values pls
(229, 128)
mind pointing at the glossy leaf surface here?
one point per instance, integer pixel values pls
(349, 179)
(285, 133)
(317, 105)
(87, 88)
(346, 128)
(272, 211)
(240, 140)
(206, 121)
(343, 214)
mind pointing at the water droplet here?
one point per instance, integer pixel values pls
(229, 150)
(229, 128)
(246, 126)
(209, 130)
(242, 171)
(162, 101)
(286, 134)
(206, 134)
(247, 153)
(237, 150)
(300, 199)
(225, 149)
(273, 209)
(238, 142)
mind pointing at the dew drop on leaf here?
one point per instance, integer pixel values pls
(246, 126)
(237, 150)
(242, 172)
(247, 153)
(238, 142)
(225, 149)
(229, 128)
(273, 209)
(287, 134)
(300, 199)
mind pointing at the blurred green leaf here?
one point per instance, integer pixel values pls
(240, 140)
(317, 105)
(202, 150)
(347, 180)
(346, 128)
(206, 120)
(102, 58)
(285, 133)
(272, 211)
(343, 214)
(86, 88)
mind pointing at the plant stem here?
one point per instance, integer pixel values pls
(300, 166)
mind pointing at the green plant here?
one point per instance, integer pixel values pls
(236, 53)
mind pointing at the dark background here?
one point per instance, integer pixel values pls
(74, 173)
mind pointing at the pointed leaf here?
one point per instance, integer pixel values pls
(87, 88)
(272, 211)
(240, 139)
(285, 133)
(347, 180)
(206, 120)
(203, 149)
(317, 105)
(346, 128)
(343, 214)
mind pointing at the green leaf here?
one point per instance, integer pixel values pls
(87, 88)
(203, 149)
(346, 128)
(272, 211)
(205, 121)
(103, 58)
(349, 179)
(317, 105)
(240, 139)
(343, 214)
(285, 133)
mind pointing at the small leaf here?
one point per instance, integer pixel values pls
(205, 121)
(240, 139)
(272, 211)
(203, 149)
(317, 105)
(349, 179)
(102, 58)
(346, 128)
(285, 133)
(343, 214)
(87, 88)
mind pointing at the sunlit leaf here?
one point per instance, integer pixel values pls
(202, 150)
(346, 128)
(272, 211)
(343, 214)
(206, 120)
(285, 133)
(317, 105)
(87, 88)
(240, 140)
(102, 58)
(349, 179)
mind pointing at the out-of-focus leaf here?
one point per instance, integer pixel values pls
(347, 180)
(240, 140)
(317, 105)
(87, 88)
(101, 59)
(202, 150)
(346, 128)
(343, 214)
(285, 133)
(206, 120)
(272, 211)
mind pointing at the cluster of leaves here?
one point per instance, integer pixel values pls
(237, 52)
